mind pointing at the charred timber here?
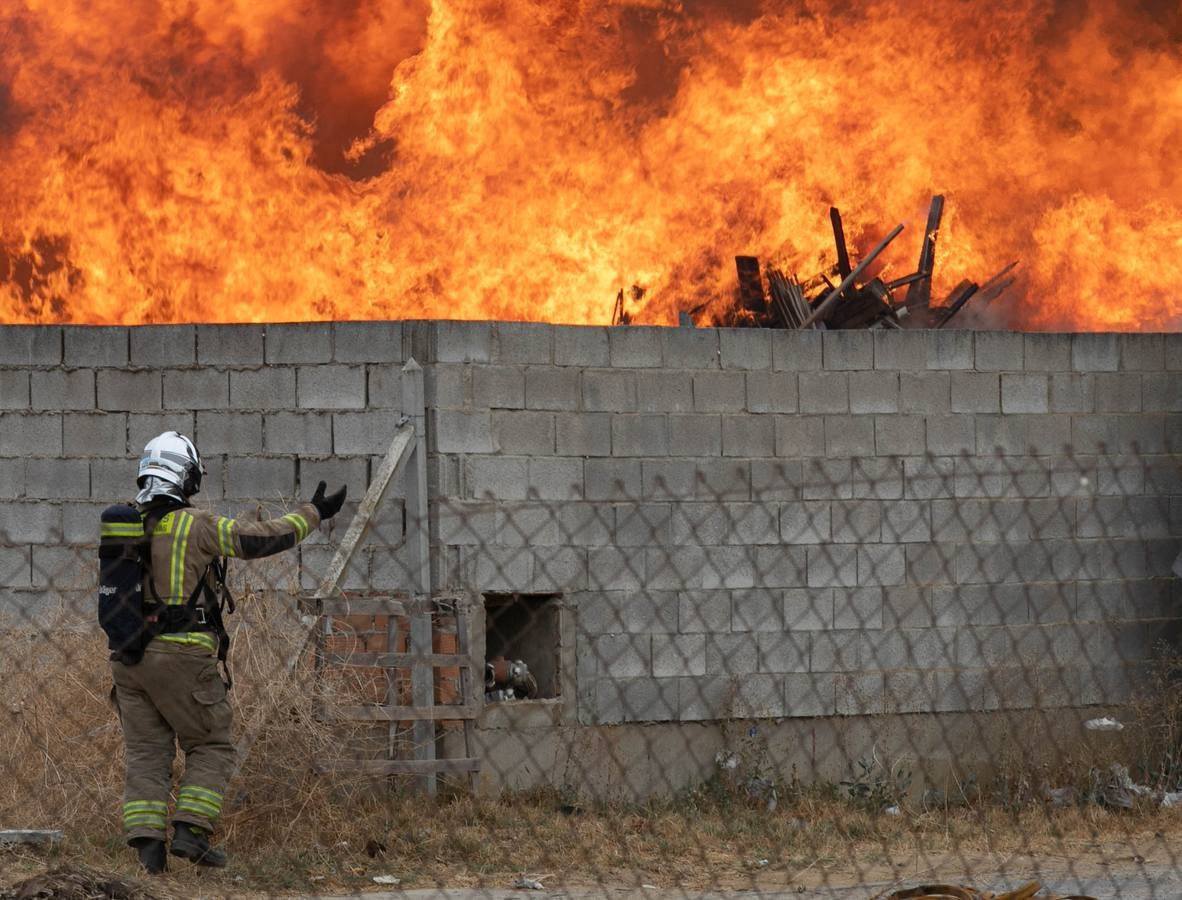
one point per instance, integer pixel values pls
(843, 253)
(751, 296)
(920, 293)
(826, 305)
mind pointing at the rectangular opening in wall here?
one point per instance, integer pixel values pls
(522, 629)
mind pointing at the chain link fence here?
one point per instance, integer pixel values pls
(845, 680)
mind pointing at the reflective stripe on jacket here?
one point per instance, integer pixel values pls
(187, 540)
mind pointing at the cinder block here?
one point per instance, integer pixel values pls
(690, 348)
(581, 346)
(24, 434)
(269, 388)
(899, 435)
(929, 393)
(721, 480)
(835, 651)
(745, 348)
(14, 566)
(704, 612)
(874, 392)
(330, 387)
(1073, 393)
(615, 569)
(518, 431)
(63, 389)
(640, 435)
(497, 477)
(800, 436)
(498, 387)
(808, 609)
(928, 477)
(824, 392)
(1162, 392)
(905, 522)
(780, 567)
(448, 386)
(805, 523)
(1000, 351)
(1004, 435)
(950, 350)
(1144, 434)
(260, 478)
(196, 389)
(1048, 352)
(383, 386)
(720, 392)
(463, 342)
(701, 524)
(856, 521)
(337, 471)
(695, 435)
(456, 431)
(609, 390)
(906, 607)
(94, 434)
(163, 346)
(849, 436)
(753, 524)
(668, 479)
(34, 522)
(634, 347)
(796, 351)
(627, 612)
(306, 342)
(1094, 434)
(976, 392)
(129, 391)
(14, 389)
(679, 655)
(88, 345)
(1095, 353)
(368, 342)
(612, 479)
(748, 436)
(1118, 393)
(555, 389)
(370, 433)
(827, 479)
(636, 700)
(234, 433)
(881, 564)
(732, 654)
(1173, 351)
(583, 434)
(858, 608)
(642, 525)
(1174, 434)
(771, 392)
(810, 695)
(230, 345)
(12, 479)
(782, 652)
(665, 392)
(142, 428)
(57, 479)
(1025, 394)
(930, 564)
(876, 478)
(847, 350)
(900, 350)
(757, 610)
(1142, 352)
(31, 345)
(523, 343)
(776, 479)
(467, 524)
(833, 565)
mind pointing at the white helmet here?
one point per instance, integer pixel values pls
(172, 457)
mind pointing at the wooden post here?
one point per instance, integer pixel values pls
(418, 541)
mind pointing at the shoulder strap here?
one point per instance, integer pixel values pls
(152, 514)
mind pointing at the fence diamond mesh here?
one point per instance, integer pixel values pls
(831, 677)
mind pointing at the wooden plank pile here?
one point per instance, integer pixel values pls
(853, 303)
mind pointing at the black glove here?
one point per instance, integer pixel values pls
(328, 506)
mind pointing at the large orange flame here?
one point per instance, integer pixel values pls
(250, 160)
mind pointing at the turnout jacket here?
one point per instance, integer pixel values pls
(186, 540)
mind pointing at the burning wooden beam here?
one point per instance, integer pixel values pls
(751, 297)
(843, 253)
(826, 305)
(920, 293)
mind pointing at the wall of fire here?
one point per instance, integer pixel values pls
(715, 522)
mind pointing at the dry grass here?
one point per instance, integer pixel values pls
(290, 829)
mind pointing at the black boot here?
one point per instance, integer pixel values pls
(190, 842)
(152, 854)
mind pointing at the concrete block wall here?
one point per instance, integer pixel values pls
(272, 408)
(773, 524)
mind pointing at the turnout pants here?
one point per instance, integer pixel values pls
(174, 696)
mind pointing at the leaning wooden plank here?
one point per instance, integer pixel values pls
(843, 253)
(963, 293)
(920, 292)
(398, 766)
(823, 308)
(401, 713)
(750, 285)
(32, 837)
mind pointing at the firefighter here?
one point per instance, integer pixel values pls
(175, 692)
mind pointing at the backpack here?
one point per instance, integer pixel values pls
(130, 620)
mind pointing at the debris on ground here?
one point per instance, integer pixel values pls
(528, 884)
(77, 883)
(954, 892)
(30, 837)
(1105, 724)
(386, 879)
